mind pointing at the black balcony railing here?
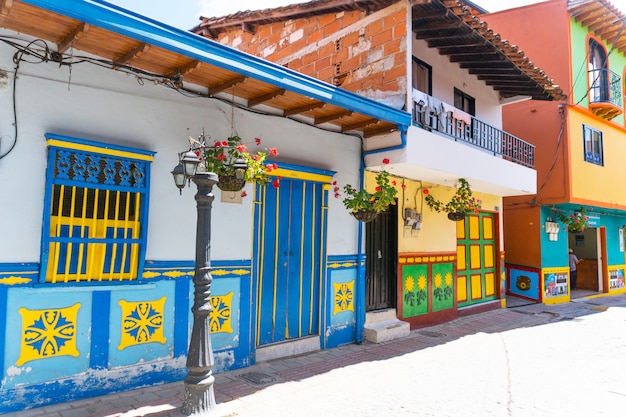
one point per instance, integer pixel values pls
(605, 87)
(434, 115)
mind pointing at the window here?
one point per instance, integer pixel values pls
(598, 75)
(95, 212)
(593, 145)
(464, 102)
(422, 76)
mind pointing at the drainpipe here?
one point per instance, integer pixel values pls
(402, 145)
(360, 276)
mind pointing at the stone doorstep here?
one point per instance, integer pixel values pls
(372, 317)
(383, 331)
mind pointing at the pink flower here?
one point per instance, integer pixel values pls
(242, 148)
(269, 167)
(257, 141)
(386, 161)
(273, 151)
(221, 157)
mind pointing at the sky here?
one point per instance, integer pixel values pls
(185, 14)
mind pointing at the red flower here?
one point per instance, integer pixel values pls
(386, 161)
(269, 167)
(217, 144)
(404, 186)
(221, 157)
(243, 194)
(276, 183)
(276, 167)
(590, 208)
(224, 143)
(425, 191)
(273, 151)
(393, 182)
(334, 182)
(197, 153)
(242, 148)
(336, 195)
(257, 141)
(378, 189)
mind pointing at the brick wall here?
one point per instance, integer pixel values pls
(363, 53)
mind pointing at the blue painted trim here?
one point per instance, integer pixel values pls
(85, 386)
(181, 317)
(307, 169)
(100, 312)
(103, 145)
(360, 281)
(26, 267)
(46, 212)
(127, 23)
(239, 263)
(3, 327)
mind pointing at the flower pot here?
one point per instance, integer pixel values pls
(230, 183)
(456, 216)
(364, 216)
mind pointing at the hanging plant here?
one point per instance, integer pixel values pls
(575, 222)
(363, 205)
(460, 205)
(223, 156)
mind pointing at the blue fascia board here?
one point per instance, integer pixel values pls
(133, 25)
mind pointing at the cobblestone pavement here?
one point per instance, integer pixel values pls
(529, 361)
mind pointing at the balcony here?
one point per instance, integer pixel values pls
(436, 116)
(605, 93)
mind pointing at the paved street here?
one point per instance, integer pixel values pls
(526, 361)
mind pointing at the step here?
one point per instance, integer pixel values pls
(386, 330)
(372, 317)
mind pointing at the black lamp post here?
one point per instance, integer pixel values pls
(199, 396)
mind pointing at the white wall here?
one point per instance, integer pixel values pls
(99, 104)
(447, 75)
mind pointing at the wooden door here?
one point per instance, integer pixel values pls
(289, 259)
(476, 259)
(381, 260)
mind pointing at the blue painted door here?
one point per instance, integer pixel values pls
(289, 224)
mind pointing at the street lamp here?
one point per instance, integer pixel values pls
(199, 395)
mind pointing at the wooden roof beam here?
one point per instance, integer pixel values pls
(78, 32)
(359, 125)
(5, 9)
(266, 97)
(185, 69)
(227, 84)
(304, 109)
(132, 54)
(331, 117)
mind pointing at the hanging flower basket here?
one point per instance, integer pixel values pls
(364, 215)
(456, 216)
(230, 183)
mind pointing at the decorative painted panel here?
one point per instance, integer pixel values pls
(555, 285)
(220, 316)
(48, 333)
(343, 297)
(443, 291)
(414, 290)
(142, 322)
(524, 282)
(616, 277)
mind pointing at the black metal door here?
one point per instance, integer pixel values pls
(381, 240)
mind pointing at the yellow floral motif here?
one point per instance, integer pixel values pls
(142, 322)
(344, 294)
(48, 333)
(409, 283)
(448, 279)
(13, 280)
(421, 283)
(438, 280)
(220, 316)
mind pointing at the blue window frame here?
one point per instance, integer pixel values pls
(593, 145)
(95, 212)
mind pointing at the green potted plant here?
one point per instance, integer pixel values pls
(575, 222)
(363, 205)
(460, 205)
(224, 158)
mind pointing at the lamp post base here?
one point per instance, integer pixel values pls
(199, 398)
